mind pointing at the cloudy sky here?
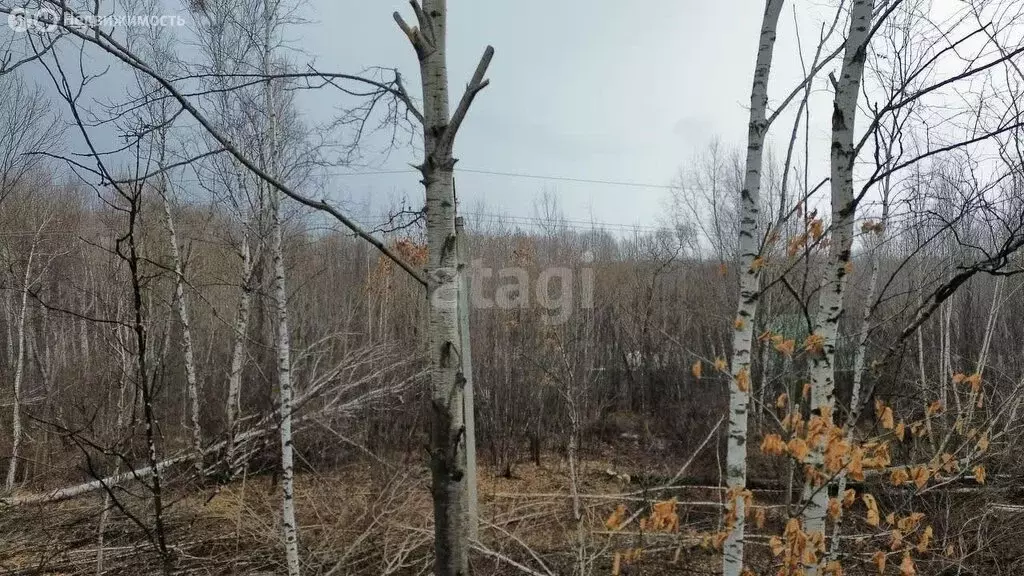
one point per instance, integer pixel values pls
(594, 90)
(624, 93)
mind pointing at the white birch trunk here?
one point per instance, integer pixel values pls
(241, 329)
(749, 280)
(19, 369)
(9, 309)
(289, 525)
(447, 428)
(244, 309)
(466, 348)
(833, 285)
(191, 379)
(859, 359)
(574, 448)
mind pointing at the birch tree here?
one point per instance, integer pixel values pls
(749, 249)
(181, 301)
(28, 278)
(271, 145)
(822, 342)
(224, 46)
(447, 428)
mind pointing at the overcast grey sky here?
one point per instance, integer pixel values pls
(597, 89)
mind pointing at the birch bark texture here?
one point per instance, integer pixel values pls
(289, 524)
(749, 282)
(860, 357)
(466, 367)
(19, 365)
(182, 309)
(240, 334)
(833, 283)
(448, 436)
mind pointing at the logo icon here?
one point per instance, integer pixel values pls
(43, 20)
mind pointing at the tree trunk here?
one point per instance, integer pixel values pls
(191, 379)
(289, 524)
(447, 429)
(833, 285)
(241, 329)
(858, 360)
(19, 369)
(749, 280)
(466, 347)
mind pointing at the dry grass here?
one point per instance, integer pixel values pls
(359, 519)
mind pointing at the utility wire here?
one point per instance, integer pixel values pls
(626, 183)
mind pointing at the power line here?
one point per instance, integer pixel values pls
(561, 222)
(625, 183)
(569, 179)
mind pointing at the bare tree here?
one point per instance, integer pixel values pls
(749, 276)
(447, 429)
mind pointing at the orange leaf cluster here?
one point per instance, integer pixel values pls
(879, 457)
(849, 497)
(983, 443)
(663, 517)
(618, 517)
(733, 497)
(782, 401)
(974, 381)
(817, 228)
(878, 559)
(907, 566)
(920, 476)
(815, 344)
(794, 423)
(873, 518)
(796, 244)
(925, 540)
(833, 568)
(743, 380)
(798, 448)
(947, 462)
(412, 252)
(835, 509)
(714, 541)
(979, 474)
(774, 445)
(797, 548)
(784, 346)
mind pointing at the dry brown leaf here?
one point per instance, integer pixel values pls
(979, 474)
(873, 518)
(879, 559)
(907, 566)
